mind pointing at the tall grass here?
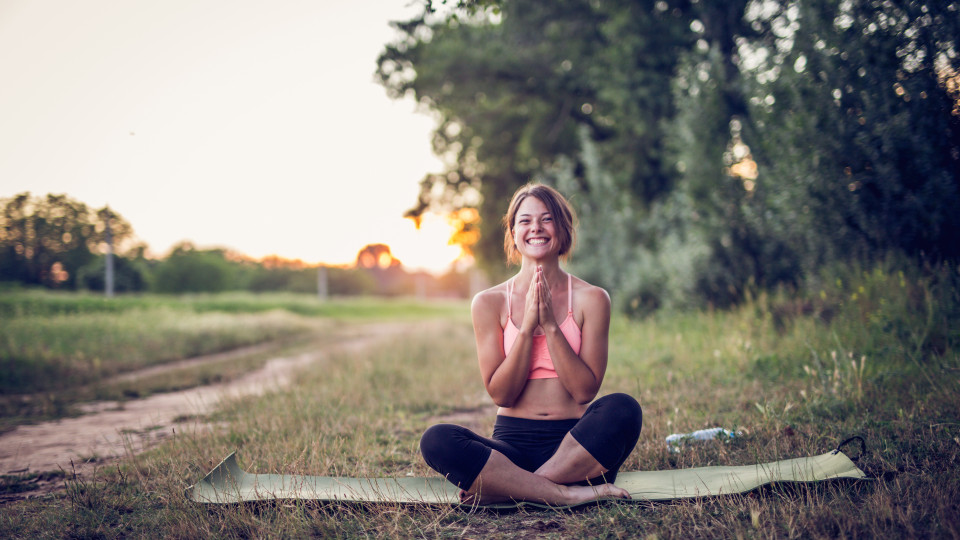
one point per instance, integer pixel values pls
(57, 349)
(18, 303)
(51, 341)
(795, 374)
(55, 352)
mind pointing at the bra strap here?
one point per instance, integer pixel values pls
(509, 297)
(569, 293)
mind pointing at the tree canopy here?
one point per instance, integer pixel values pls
(47, 240)
(709, 147)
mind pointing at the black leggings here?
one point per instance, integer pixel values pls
(609, 430)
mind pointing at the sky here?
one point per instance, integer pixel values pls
(249, 125)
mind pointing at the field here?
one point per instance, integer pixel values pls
(59, 350)
(871, 354)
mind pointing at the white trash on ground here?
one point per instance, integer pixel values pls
(676, 441)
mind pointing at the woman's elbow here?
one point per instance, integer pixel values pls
(585, 395)
(501, 399)
(502, 403)
(585, 399)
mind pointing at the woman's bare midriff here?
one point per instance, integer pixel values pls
(544, 399)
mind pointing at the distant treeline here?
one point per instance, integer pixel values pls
(60, 243)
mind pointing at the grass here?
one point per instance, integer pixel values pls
(795, 376)
(17, 303)
(59, 349)
(41, 353)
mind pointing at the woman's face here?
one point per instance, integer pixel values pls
(534, 230)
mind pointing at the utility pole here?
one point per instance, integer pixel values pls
(323, 286)
(108, 281)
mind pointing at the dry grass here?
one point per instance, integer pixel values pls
(59, 349)
(794, 387)
(49, 353)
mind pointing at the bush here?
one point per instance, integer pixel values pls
(188, 271)
(128, 275)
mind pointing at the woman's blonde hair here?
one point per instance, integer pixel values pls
(561, 211)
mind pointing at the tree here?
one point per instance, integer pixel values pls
(189, 270)
(376, 256)
(513, 91)
(711, 147)
(862, 145)
(130, 275)
(46, 241)
(377, 261)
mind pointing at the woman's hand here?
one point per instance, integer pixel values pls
(531, 308)
(545, 304)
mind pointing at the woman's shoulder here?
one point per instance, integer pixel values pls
(493, 298)
(589, 294)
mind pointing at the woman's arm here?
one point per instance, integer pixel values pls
(581, 375)
(504, 376)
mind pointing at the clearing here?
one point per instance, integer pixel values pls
(109, 429)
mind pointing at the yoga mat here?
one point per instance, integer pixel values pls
(228, 483)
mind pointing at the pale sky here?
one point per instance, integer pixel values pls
(250, 125)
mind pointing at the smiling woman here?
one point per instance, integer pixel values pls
(552, 442)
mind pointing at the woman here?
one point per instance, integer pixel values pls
(549, 444)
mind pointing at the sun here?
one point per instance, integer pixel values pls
(430, 247)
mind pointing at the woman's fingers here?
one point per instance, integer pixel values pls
(531, 311)
(545, 308)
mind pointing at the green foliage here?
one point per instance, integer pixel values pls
(51, 304)
(908, 313)
(857, 133)
(130, 275)
(50, 353)
(189, 270)
(514, 90)
(46, 241)
(50, 341)
(59, 349)
(713, 149)
(644, 258)
(296, 280)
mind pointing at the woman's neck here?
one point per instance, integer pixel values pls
(551, 272)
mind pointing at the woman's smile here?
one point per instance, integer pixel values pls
(538, 244)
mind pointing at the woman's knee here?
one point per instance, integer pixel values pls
(623, 410)
(455, 452)
(437, 442)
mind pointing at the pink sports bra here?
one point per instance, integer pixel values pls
(541, 365)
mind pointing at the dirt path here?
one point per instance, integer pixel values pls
(109, 429)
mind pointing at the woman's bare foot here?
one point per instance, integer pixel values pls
(572, 495)
(582, 494)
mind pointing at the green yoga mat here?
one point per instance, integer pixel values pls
(228, 483)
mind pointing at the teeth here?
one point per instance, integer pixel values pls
(537, 241)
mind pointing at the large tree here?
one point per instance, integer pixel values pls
(858, 105)
(47, 240)
(709, 146)
(514, 90)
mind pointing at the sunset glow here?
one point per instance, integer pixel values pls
(247, 127)
(429, 247)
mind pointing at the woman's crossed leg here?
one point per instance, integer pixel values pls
(580, 468)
